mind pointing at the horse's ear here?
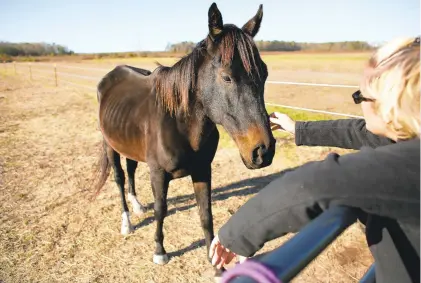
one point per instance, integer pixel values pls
(253, 25)
(215, 21)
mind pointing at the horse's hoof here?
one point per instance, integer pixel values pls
(218, 274)
(160, 259)
(126, 226)
(126, 230)
(138, 209)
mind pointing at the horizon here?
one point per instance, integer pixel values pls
(164, 51)
(131, 26)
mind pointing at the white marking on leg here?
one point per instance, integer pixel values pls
(126, 226)
(138, 209)
(160, 259)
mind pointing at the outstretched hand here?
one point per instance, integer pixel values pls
(281, 122)
(219, 254)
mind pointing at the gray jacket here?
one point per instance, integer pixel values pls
(382, 181)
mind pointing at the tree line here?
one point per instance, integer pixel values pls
(45, 49)
(30, 51)
(33, 49)
(276, 45)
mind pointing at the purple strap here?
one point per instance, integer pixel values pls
(256, 270)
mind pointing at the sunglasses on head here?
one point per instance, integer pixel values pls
(358, 97)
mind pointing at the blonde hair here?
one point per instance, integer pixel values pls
(392, 78)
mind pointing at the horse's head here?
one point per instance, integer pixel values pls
(231, 82)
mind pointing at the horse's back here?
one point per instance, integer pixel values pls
(119, 74)
(126, 101)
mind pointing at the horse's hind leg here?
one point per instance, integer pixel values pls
(114, 158)
(131, 169)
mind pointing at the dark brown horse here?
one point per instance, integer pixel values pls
(167, 118)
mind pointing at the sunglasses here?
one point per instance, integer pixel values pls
(358, 97)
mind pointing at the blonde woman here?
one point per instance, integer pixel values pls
(382, 180)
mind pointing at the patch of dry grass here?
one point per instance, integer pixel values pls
(51, 232)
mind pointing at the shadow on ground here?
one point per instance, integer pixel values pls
(241, 188)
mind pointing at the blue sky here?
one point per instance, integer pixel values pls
(126, 25)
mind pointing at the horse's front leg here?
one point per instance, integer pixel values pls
(159, 182)
(201, 177)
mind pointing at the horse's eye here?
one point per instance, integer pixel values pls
(226, 78)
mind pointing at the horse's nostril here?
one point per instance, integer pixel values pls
(257, 155)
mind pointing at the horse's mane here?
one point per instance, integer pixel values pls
(174, 84)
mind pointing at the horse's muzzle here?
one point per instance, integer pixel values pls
(262, 156)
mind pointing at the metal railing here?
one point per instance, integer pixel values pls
(288, 260)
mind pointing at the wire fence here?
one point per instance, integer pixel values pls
(62, 74)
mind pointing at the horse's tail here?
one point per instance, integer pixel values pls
(103, 169)
(103, 166)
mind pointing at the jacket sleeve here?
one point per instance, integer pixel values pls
(343, 133)
(383, 181)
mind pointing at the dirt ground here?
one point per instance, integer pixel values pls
(52, 232)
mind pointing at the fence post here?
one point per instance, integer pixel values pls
(55, 73)
(30, 71)
(14, 67)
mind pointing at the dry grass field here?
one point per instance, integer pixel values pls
(49, 141)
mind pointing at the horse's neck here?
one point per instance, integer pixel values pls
(199, 127)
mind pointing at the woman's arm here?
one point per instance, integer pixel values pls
(383, 181)
(343, 133)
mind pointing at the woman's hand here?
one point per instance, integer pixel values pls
(219, 254)
(282, 122)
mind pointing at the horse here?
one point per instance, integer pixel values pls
(168, 119)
